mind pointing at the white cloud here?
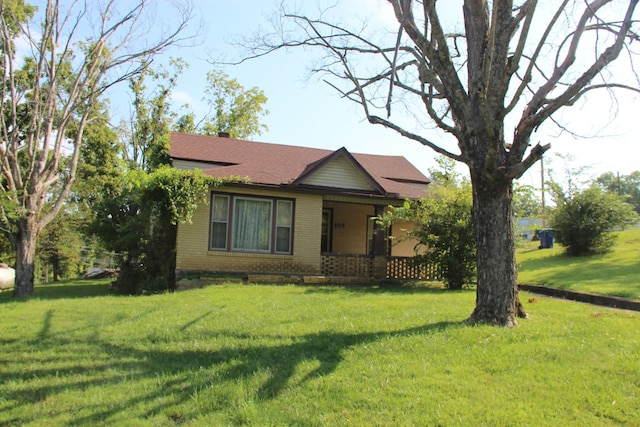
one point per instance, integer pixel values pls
(180, 98)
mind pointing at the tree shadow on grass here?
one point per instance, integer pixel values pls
(243, 361)
(79, 288)
(234, 364)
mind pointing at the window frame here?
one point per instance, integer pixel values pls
(277, 227)
(230, 244)
(213, 220)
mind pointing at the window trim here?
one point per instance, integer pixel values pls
(230, 224)
(276, 227)
(226, 222)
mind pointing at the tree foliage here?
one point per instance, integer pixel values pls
(148, 142)
(138, 221)
(443, 225)
(526, 203)
(15, 13)
(624, 185)
(60, 246)
(585, 223)
(101, 164)
(444, 231)
(232, 109)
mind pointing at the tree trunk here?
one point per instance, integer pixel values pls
(25, 262)
(55, 263)
(497, 292)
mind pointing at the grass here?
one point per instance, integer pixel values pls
(310, 356)
(616, 273)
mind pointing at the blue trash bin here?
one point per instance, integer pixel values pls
(546, 239)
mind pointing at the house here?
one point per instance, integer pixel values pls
(526, 228)
(300, 211)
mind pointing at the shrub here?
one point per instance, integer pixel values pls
(584, 223)
(444, 230)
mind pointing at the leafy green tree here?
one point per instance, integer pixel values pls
(233, 109)
(148, 143)
(138, 221)
(584, 223)
(444, 226)
(101, 164)
(624, 185)
(525, 201)
(60, 245)
(15, 13)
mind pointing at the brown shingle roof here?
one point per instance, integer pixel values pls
(280, 165)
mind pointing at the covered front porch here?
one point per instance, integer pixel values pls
(353, 244)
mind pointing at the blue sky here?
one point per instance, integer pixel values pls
(306, 111)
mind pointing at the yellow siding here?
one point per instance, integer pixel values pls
(350, 227)
(339, 173)
(192, 242)
(400, 245)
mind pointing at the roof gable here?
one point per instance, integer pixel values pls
(339, 170)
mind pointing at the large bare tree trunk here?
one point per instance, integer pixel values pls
(497, 292)
(25, 262)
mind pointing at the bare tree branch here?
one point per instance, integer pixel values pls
(610, 54)
(424, 141)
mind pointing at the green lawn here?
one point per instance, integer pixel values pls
(311, 356)
(616, 273)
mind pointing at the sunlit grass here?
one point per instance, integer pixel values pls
(615, 273)
(292, 355)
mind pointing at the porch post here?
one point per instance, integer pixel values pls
(379, 247)
(379, 244)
